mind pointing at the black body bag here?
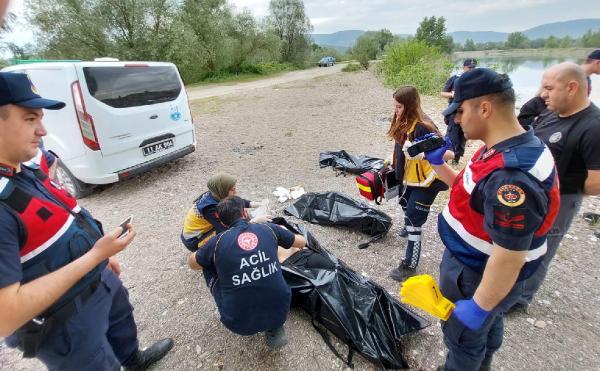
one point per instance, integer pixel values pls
(334, 208)
(358, 311)
(342, 160)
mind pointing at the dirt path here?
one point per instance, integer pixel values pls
(272, 136)
(218, 90)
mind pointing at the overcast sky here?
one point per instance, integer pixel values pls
(403, 16)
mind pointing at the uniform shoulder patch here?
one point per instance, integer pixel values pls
(247, 241)
(511, 195)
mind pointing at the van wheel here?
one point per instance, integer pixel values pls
(74, 186)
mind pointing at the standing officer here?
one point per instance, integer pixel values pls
(455, 133)
(572, 132)
(60, 298)
(243, 273)
(494, 227)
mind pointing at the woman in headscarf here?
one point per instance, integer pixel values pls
(202, 222)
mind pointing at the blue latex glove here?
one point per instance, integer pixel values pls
(470, 314)
(436, 156)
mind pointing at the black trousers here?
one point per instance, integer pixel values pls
(416, 203)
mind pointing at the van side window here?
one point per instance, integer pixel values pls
(122, 87)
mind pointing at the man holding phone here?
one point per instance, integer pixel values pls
(59, 299)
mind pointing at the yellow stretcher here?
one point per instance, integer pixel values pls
(423, 292)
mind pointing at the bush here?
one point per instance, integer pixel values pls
(414, 63)
(351, 67)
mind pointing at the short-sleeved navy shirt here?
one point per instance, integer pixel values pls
(249, 289)
(11, 229)
(509, 226)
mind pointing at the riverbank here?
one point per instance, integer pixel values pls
(576, 53)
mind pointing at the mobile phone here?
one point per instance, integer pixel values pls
(123, 225)
(426, 145)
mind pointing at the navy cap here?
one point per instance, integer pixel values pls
(477, 83)
(595, 54)
(17, 89)
(470, 62)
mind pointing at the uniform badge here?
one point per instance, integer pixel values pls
(33, 88)
(488, 154)
(247, 241)
(510, 195)
(7, 170)
(55, 184)
(556, 137)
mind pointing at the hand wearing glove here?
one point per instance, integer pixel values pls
(470, 314)
(436, 156)
(407, 144)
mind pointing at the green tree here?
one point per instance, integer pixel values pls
(415, 63)
(432, 31)
(209, 21)
(591, 39)
(469, 46)
(517, 40)
(250, 43)
(365, 49)
(551, 43)
(289, 22)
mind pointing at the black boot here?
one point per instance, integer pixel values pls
(403, 272)
(144, 358)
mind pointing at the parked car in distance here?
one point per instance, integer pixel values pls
(120, 119)
(326, 61)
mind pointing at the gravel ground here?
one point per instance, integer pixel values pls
(272, 137)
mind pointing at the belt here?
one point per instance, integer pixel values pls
(65, 312)
(35, 331)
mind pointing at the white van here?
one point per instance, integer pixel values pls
(121, 118)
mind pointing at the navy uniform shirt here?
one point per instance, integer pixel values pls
(11, 229)
(449, 86)
(248, 286)
(511, 223)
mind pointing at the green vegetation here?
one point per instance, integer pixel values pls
(517, 40)
(208, 40)
(415, 63)
(432, 31)
(370, 45)
(351, 67)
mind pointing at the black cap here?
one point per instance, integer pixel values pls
(470, 62)
(17, 89)
(477, 83)
(595, 54)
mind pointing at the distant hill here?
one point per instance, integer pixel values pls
(342, 40)
(575, 28)
(478, 36)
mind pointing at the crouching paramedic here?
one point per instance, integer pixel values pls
(60, 298)
(243, 273)
(500, 210)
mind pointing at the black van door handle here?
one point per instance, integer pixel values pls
(153, 117)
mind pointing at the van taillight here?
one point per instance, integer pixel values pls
(86, 123)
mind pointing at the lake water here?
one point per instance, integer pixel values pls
(526, 74)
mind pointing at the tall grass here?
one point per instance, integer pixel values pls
(414, 63)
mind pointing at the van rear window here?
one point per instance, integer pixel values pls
(123, 87)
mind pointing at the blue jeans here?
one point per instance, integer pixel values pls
(101, 335)
(467, 349)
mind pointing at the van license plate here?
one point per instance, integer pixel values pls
(158, 147)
